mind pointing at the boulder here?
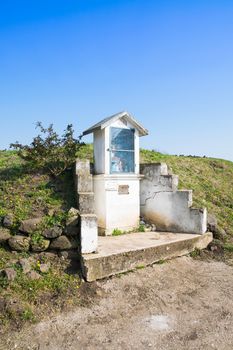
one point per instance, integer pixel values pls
(25, 265)
(73, 217)
(19, 243)
(40, 246)
(212, 223)
(63, 243)
(52, 232)
(8, 220)
(4, 235)
(30, 225)
(71, 230)
(33, 275)
(9, 273)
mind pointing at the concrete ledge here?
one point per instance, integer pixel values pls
(127, 252)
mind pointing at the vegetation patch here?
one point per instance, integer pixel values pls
(27, 192)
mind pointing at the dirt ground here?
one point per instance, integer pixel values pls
(181, 304)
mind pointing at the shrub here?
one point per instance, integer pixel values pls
(49, 151)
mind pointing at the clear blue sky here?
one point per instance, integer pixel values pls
(169, 63)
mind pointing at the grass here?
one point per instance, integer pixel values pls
(228, 247)
(117, 232)
(25, 193)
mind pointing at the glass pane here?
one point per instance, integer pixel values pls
(122, 139)
(122, 162)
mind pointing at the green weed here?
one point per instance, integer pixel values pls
(117, 232)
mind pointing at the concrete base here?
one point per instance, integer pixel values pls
(123, 253)
(88, 233)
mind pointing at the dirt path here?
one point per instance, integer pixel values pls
(181, 304)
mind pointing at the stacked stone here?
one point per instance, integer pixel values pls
(53, 238)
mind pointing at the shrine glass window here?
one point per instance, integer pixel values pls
(122, 150)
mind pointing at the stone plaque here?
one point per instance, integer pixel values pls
(123, 189)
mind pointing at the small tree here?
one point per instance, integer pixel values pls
(49, 151)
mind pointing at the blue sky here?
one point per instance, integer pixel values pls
(169, 63)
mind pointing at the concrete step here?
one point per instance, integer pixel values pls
(123, 253)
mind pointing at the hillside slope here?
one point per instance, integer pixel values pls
(210, 179)
(25, 193)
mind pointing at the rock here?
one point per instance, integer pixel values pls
(8, 220)
(9, 273)
(52, 232)
(71, 230)
(212, 223)
(30, 225)
(33, 275)
(216, 247)
(68, 254)
(44, 268)
(63, 243)
(40, 246)
(73, 217)
(220, 233)
(25, 265)
(19, 243)
(4, 235)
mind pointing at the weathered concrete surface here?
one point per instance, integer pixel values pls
(127, 252)
(85, 201)
(165, 206)
(88, 233)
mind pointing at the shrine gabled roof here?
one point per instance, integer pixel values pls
(109, 120)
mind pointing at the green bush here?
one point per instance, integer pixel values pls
(49, 151)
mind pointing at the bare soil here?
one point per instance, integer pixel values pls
(181, 304)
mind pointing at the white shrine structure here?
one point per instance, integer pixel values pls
(113, 196)
(117, 172)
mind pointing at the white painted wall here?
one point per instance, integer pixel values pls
(116, 210)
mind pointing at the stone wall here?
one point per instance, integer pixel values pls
(36, 236)
(165, 206)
